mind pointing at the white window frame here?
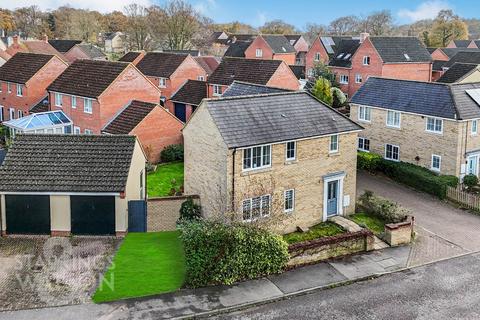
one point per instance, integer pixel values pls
(434, 125)
(317, 56)
(394, 124)
(201, 78)
(262, 157)
(358, 78)
(285, 193)
(88, 107)
(439, 163)
(88, 131)
(58, 99)
(335, 137)
(1, 84)
(19, 90)
(217, 90)
(366, 60)
(1, 113)
(19, 114)
(474, 128)
(294, 151)
(9, 87)
(74, 102)
(363, 111)
(258, 53)
(248, 204)
(76, 130)
(393, 146)
(11, 113)
(162, 82)
(343, 79)
(363, 144)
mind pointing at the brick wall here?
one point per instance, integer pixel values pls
(310, 56)
(163, 213)
(301, 45)
(75, 53)
(408, 71)
(284, 78)
(439, 55)
(288, 58)
(259, 43)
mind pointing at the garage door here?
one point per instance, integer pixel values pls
(27, 214)
(93, 215)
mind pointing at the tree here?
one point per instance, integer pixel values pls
(235, 27)
(30, 21)
(313, 30)
(137, 30)
(339, 97)
(181, 24)
(277, 27)
(115, 21)
(348, 25)
(321, 71)
(447, 27)
(322, 91)
(378, 23)
(85, 25)
(6, 20)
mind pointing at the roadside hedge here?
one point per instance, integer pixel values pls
(409, 174)
(216, 253)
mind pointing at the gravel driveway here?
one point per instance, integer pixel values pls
(40, 271)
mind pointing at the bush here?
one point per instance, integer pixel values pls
(173, 152)
(217, 253)
(470, 181)
(190, 210)
(368, 161)
(388, 211)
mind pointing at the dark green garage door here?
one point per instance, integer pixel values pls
(93, 215)
(27, 214)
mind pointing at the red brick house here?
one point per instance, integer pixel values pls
(24, 79)
(91, 92)
(276, 47)
(168, 71)
(154, 127)
(390, 57)
(33, 46)
(274, 73)
(461, 44)
(188, 98)
(322, 50)
(85, 51)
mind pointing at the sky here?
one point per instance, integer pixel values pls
(296, 12)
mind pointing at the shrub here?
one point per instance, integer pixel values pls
(368, 161)
(470, 181)
(388, 211)
(190, 210)
(217, 253)
(173, 152)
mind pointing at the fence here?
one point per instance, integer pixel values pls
(470, 201)
(164, 212)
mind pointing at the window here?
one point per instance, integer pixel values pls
(333, 143)
(366, 61)
(87, 105)
(291, 150)
(364, 113)
(74, 101)
(358, 78)
(11, 113)
(162, 82)
(364, 144)
(436, 162)
(317, 56)
(58, 99)
(19, 113)
(289, 197)
(1, 84)
(393, 119)
(19, 90)
(9, 87)
(343, 79)
(434, 125)
(392, 152)
(310, 72)
(201, 78)
(255, 208)
(474, 127)
(1, 113)
(258, 53)
(217, 90)
(257, 157)
(88, 131)
(76, 130)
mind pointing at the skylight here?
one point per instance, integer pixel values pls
(407, 57)
(347, 56)
(340, 56)
(474, 94)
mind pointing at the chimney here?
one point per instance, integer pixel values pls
(364, 36)
(45, 38)
(15, 39)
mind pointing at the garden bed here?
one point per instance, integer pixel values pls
(321, 230)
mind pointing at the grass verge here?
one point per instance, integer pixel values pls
(371, 222)
(324, 229)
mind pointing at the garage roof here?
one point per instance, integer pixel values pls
(67, 163)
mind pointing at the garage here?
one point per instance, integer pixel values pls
(92, 215)
(27, 214)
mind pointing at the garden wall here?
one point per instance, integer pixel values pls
(324, 248)
(399, 233)
(163, 212)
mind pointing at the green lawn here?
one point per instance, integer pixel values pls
(324, 229)
(145, 264)
(374, 223)
(159, 182)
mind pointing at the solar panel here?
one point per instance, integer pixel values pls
(474, 94)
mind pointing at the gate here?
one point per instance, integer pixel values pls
(137, 216)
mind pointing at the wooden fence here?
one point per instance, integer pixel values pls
(471, 201)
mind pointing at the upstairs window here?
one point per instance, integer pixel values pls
(364, 113)
(20, 113)
(201, 78)
(74, 101)
(434, 125)
(258, 53)
(317, 56)
(217, 90)
(333, 143)
(358, 78)
(87, 105)
(343, 79)
(162, 82)
(19, 90)
(9, 87)
(366, 61)
(289, 200)
(474, 127)
(257, 157)
(255, 208)
(291, 150)
(393, 119)
(88, 131)
(58, 99)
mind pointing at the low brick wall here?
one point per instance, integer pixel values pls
(324, 248)
(163, 213)
(399, 233)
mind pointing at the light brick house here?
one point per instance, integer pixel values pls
(91, 92)
(23, 82)
(429, 124)
(461, 73)
(283, 159)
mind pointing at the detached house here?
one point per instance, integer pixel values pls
(429, 124)
(24, 80)
(283, 158)
(91, 92)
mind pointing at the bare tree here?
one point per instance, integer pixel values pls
(137, 31)
(181, 24)
(85, 25)
(313, 30)
(348, 25)
(277, 27)
(378, 23)
(30, 21)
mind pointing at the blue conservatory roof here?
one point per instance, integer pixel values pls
(40, 120)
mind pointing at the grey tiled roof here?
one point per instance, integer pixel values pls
(456, 72)
(344, 51)
(253, 120)
(237, 49)
(462, 43)
(466, 106)
(394, 49)
(239, 88)
(63, 45)
(67, 163)
(438, 65)
(279, 44)
(464, 57)
(450, 52)
(191, 92)
(160, 64)
(92, 51)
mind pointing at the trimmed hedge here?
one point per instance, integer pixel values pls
(409, 174)
(216, 253)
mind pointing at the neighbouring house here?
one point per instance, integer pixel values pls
(114, 42)
(430, 124)
(240, 88)
(193, 53)
(33, 46)
(391, 57)
(284, 158)
(437, 69)
(461, 73)
(276, 47)
(133, 57)
(91, 92)
(63, 45)
(445, 54)
(463, 57)
(274, 73)
(85, 51)
(4, 57)
(301, 47)
(65, 185)
(461, 44)
(237, 49)
(24, 80)
(208, 63)
(187, 98)
(49, 122)
(322, 50)
(154, 127)
(168, 71)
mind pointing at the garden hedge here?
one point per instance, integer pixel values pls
(217, 253)
(409, 174)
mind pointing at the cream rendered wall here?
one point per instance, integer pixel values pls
(471, 78)
(60, 216)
